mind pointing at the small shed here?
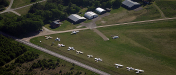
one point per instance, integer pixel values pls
(90, 15)
(55, 24)
(130, 4)
(76, 18)
(100, 10)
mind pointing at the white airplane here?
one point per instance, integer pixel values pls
(119, 65)
(71, 48)
(79, 52)
(48, 37)
(61, 45)
(98, 59)
(74, 32)
(139, 71)
(114, 37)
(129, 68)
(57, 39)
(89, 56)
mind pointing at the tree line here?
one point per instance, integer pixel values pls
(9, 50)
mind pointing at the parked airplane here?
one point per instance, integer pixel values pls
(74, 32)
(114, 37)
(89, 56)
(79, 52)
(129, 68)
(119, 65)
(57, 39)
(139, 71)
(98, 59)
(61, 45)
(48, 37)
(71, 48)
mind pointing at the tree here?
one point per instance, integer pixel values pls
(117, 3)
(1, 17)
(33, 0)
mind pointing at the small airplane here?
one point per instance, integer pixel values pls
(79, 52)
(114, 37)
(139, 71)
(119, 65)
(57, 39)
(89, 56)
(129, 68)
(61, 45)
(98, 59)
(48, 37)
(71, 48)
(74, 32)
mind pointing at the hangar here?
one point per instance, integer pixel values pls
(130, 4)
(76, 18)
(100, 10)
(90, 15)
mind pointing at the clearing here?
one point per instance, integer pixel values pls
(147, 46)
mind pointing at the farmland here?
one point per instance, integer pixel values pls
(147, 46)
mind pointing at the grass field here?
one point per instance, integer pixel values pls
(122, 15)
(168, 7)
(23, 11)
(147, 46)
(19, 3)
(65, 26)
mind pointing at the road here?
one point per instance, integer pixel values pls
(59, 56)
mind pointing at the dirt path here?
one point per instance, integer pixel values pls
(162, 14)
(101, 34)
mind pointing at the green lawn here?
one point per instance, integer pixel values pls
(65, 26)
(122, 15)
(23, 11)
(147, 46)
(168, 7)
(19, 3)
(150, 12)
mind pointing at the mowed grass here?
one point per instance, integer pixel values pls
(147, 46)
(65, 26)
(23, 11)
(123, 15)
(19, 3)
(168, 7)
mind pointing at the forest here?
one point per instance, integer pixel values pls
(9, 50)
(39, 14)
